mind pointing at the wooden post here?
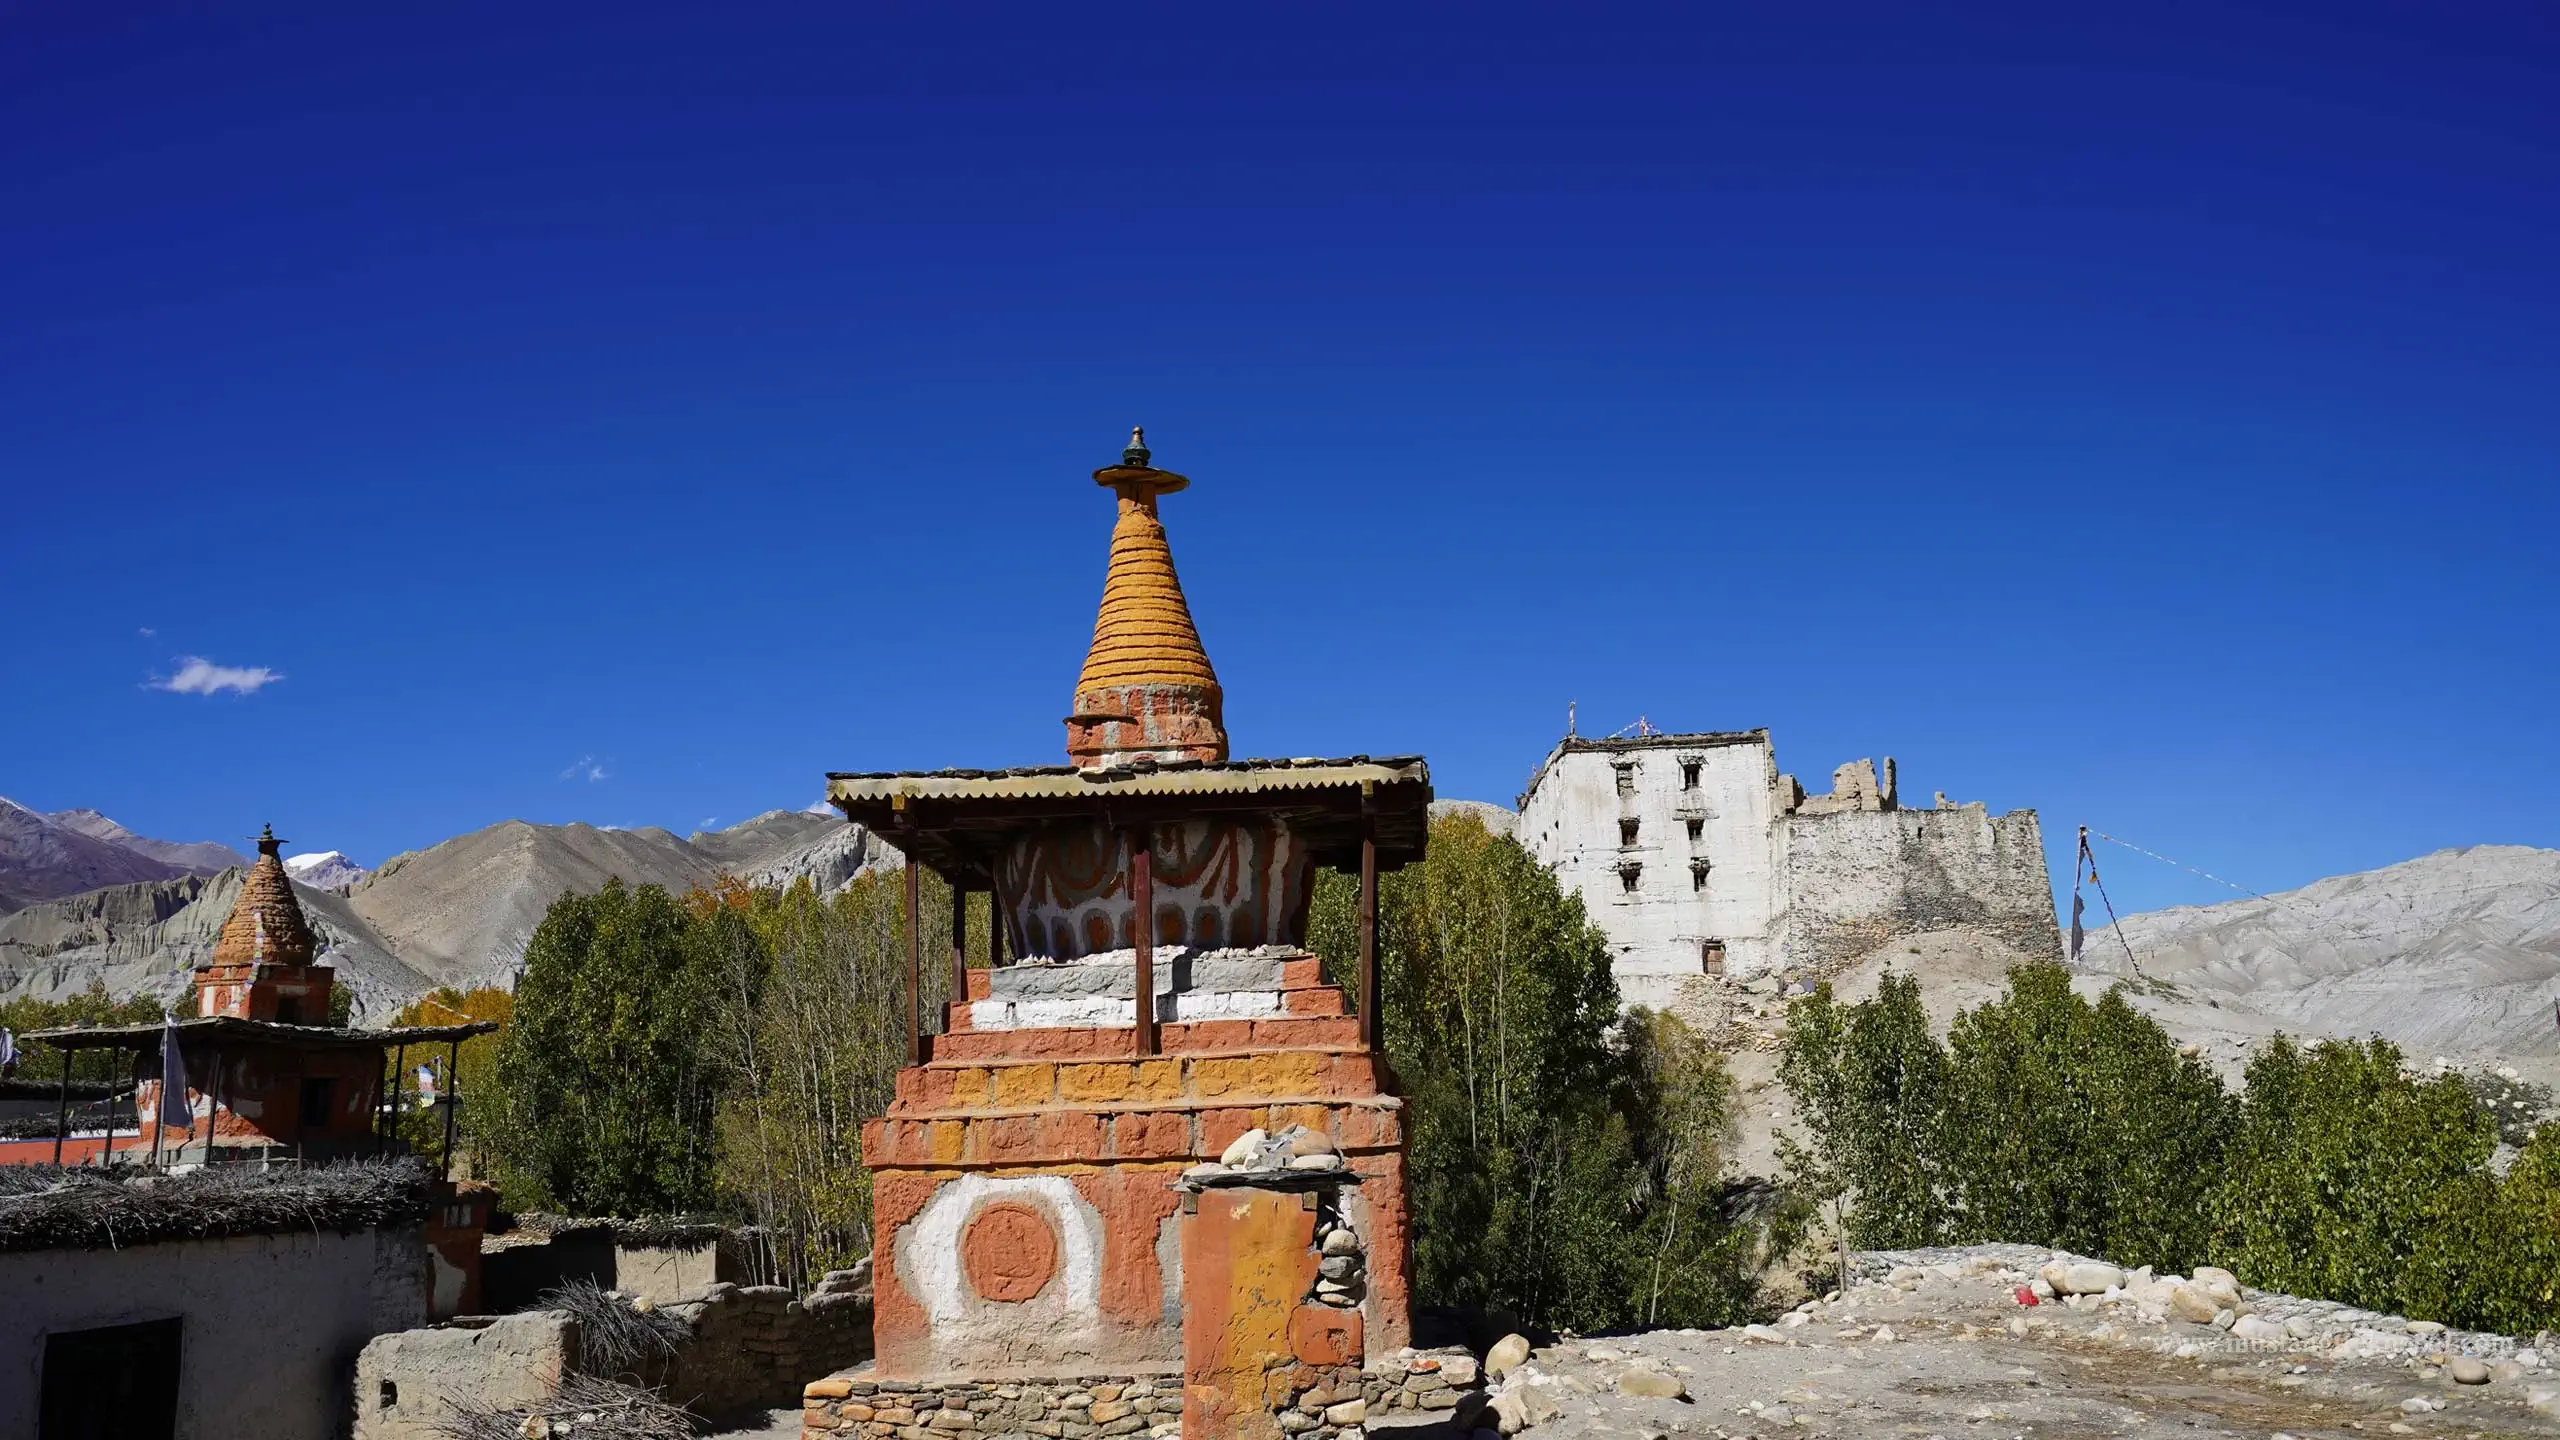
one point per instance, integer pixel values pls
(1372, 1026)
(959, 949)
(915, 960)
(62, 1109)
(1142, 932)
(213, 1104)
(452, 1098)
(387, 1125)
(998, 932)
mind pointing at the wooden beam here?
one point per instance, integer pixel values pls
(1142, 931)
(1372, 1027)
(915, 959)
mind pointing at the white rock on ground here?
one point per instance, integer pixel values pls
(1957, 1355)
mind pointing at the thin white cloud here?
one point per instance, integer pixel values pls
(709, 820)
(148, 632)
(199, 676)
(585, 768)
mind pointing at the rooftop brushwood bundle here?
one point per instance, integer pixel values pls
(617, 1340)
(44, 1207)
(584, 1409)
(646, 1232)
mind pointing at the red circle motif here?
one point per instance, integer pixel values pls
(1009, 1252)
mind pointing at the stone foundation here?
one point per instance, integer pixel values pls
(1308, 1402)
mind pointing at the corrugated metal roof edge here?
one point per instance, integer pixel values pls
(1120, 774)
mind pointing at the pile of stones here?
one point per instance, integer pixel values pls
(1341, 1268)
(1260, 1152)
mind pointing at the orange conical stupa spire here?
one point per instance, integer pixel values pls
(1147, 691)
(262, 967)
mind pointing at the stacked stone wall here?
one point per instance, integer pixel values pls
(1861, 879)
(756, 1345)
(1309, 1402)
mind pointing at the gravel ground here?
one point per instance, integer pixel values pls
(1936, 1344)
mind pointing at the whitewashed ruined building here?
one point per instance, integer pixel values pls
(1698, 857)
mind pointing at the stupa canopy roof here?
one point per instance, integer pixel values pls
(957, 821)
(145, 1035)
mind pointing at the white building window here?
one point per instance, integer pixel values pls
(1689, 773)
(1697, 830)
(1627, 826)
(1711, 956)
(1628, 874)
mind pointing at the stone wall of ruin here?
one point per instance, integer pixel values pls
(1860, 879)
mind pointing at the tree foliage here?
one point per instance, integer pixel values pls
(469, 1074)
(813, 1019)
(606, 1083)
(2049, 1120)
(39, 1061)
(1563, 1167)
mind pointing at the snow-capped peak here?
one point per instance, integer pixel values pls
(325, 869)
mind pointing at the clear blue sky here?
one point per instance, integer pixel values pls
(628, 413)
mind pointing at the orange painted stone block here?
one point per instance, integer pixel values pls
(1318, 1118)
(1364, 1127)
(1297, 1072)
(981, 984)
(1232, 1077)
(1069, 1135)
(1322, 1335)
(1342, 1030)
(1248, 1259)
(1303, 973)
(1219, 1129)
(1157, 1080)
(1152, 1135)
(949, 1142)
(1094, 1083)
(1319, 1002)
(1026, 1085)
(1005, 1140)
(1218, 1035)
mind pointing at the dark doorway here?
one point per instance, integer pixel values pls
(117, 1382)
(315, 1105)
